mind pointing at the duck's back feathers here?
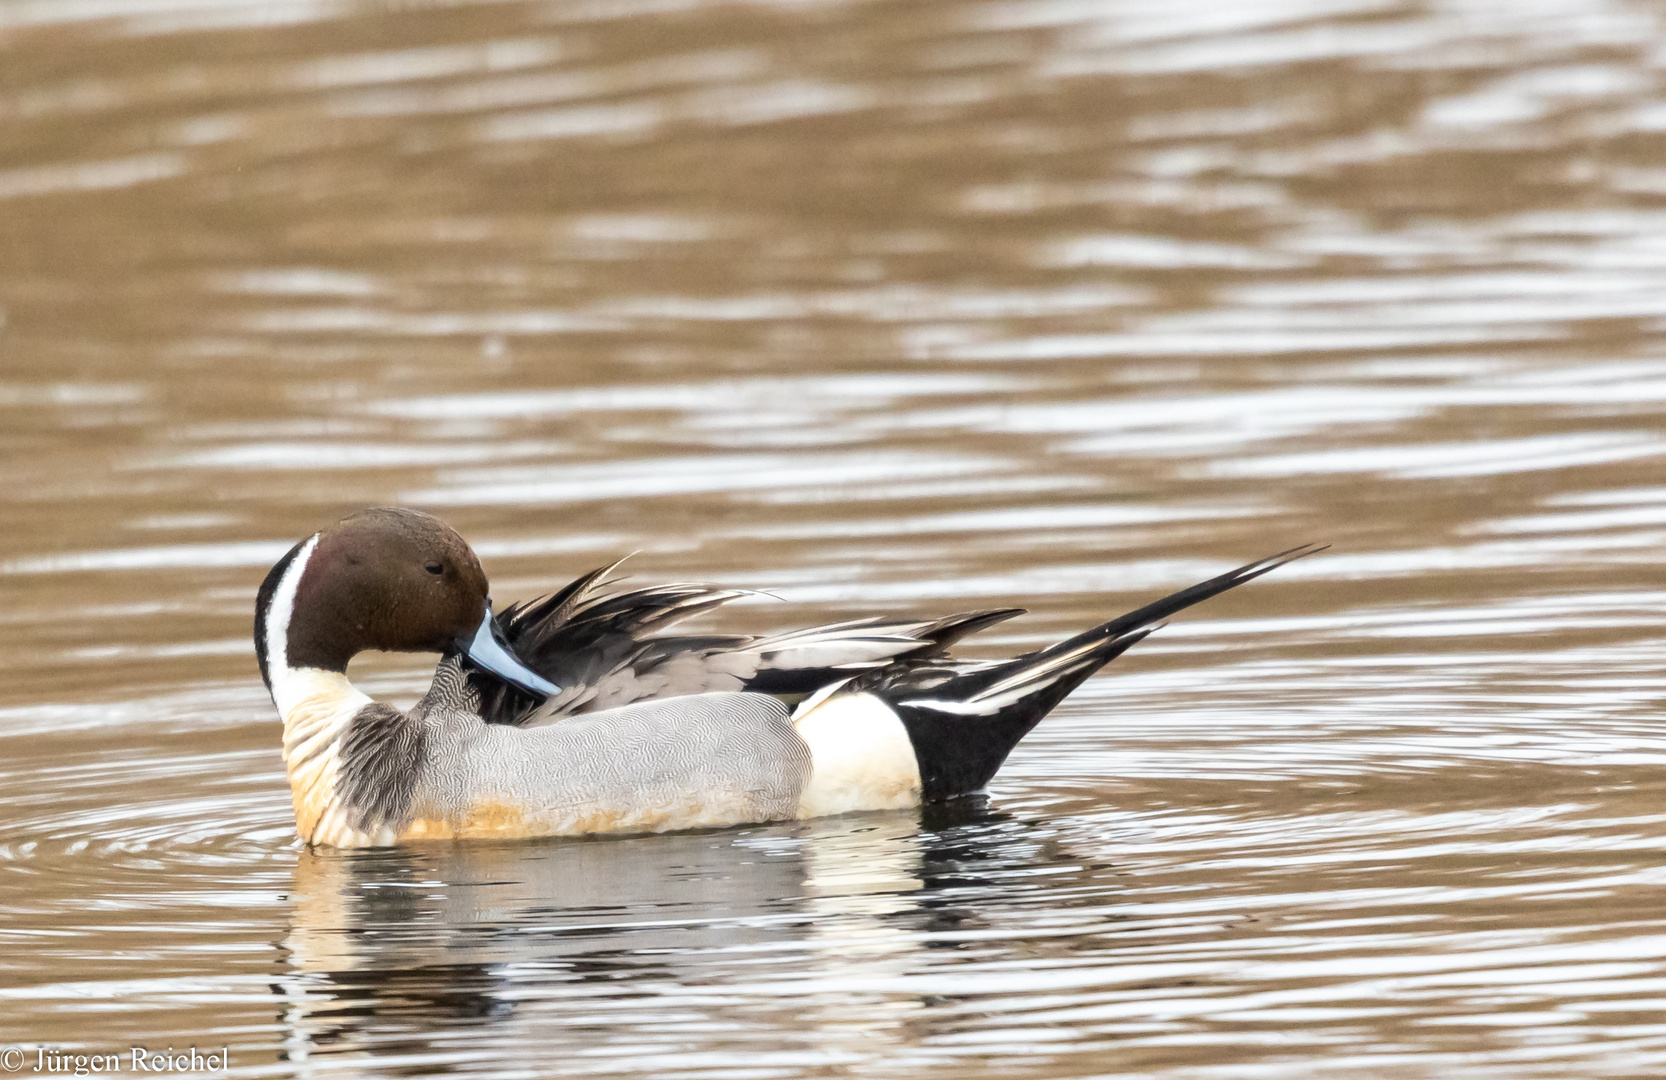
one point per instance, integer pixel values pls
(607, 649)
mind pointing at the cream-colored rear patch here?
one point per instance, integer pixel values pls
(861, 757)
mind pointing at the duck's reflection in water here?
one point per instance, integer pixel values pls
(459, 956)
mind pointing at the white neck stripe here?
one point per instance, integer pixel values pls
(281, 610)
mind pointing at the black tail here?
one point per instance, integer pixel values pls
(964, 721)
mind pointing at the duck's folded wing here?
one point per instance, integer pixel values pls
(606, 649)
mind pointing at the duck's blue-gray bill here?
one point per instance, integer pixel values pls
(485, 650)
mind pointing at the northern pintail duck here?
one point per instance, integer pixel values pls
(577, 714)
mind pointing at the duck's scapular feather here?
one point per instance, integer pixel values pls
(604, 649)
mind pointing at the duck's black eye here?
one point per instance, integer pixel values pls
(434, 568)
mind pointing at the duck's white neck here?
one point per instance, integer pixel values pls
(316, 706)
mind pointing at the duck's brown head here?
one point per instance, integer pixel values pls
(385, 578)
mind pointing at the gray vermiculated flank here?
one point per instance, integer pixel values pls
(382, 754)
(718, 747)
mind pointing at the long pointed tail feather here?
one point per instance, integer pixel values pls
(964, 722)
(1203, 590)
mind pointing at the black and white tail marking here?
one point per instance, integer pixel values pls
(963, 719)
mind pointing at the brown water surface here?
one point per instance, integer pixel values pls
(907, 307)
